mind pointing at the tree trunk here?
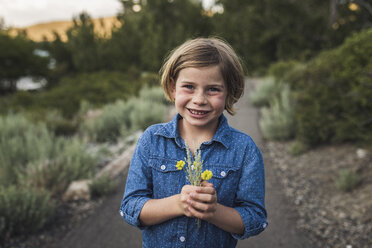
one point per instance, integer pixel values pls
(333, 12)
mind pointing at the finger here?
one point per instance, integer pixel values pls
(206, 184)
(202, 207)
(188, 189)
(200, 215)
(206, 190)
(206, 198)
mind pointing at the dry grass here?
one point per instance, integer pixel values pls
(38, 32)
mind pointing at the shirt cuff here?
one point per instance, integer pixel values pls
(131, 214)
(252, 225)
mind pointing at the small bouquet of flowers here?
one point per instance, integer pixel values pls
(194, 170)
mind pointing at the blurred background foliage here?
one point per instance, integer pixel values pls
(100, 88)
(286, 39)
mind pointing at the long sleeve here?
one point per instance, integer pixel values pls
(138, 189)
(250, 196)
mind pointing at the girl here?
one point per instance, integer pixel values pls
(203, 77)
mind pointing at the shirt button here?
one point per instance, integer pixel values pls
(264, 225)
(163, 167)
(182, 239)
(223, 173)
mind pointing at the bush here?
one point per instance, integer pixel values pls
(107, 126)
(2, 227)
(123, 118)
(280, 69)
(334, 92)
(297, 148)
(277, 122)
(24, 210)
(30, 154)
(98, 88)
(146, 113)
(347, 180)
(153, 94)
(60, 125)
(70, 162)
(21, 142)
(265, 91)
(101, 186)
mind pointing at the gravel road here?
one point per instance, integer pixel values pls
(106, 229)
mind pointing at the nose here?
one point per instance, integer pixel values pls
(199, 98)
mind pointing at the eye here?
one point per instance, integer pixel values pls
(214, 89)
(188, 86)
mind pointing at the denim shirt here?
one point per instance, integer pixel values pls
(238, 177)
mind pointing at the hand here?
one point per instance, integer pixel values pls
(184, 198)
(199, 202)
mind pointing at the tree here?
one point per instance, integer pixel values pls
(347, 17)
(18, 59)
(264, 31)
(82, 44)
(152, 28)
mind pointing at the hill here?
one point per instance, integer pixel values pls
(37, 32)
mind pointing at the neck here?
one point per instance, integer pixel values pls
(195, 136)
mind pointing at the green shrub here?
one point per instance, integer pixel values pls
(21, 142)
(334, 92)
(122, 118)
(265, 91)
(69, 162)
(153, 94)
(60, 125)
(24, 210)
(347, 180)
(277, 122)
(101, 186)
(30, 154)
(98, 88)
(149, 79)
(297, 148)
(280, 69)
(107, 126)
(2, 227)
(54, 120)
(146, 113)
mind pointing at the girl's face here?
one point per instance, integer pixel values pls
(200, 96)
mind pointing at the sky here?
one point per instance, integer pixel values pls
(21, 13)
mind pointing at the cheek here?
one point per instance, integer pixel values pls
(219, 102)
(180, 99)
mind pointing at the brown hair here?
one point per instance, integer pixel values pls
(202, 52)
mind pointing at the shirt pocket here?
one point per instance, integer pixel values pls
(166, 178)
(225, 180)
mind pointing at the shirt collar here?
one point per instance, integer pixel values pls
(170, 130)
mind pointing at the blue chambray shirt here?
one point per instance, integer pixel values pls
(238, 177)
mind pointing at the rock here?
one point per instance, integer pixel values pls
(114, 168)
(361, 153)
(77, 190)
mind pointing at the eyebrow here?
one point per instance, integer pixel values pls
(209, 85)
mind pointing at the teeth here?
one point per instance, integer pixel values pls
(198, 112)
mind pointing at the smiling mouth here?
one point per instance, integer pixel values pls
(198, 112)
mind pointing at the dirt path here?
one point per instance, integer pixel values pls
(106, 229)
(281, 231)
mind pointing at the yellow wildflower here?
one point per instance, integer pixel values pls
(206, 175)
(180, 164)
